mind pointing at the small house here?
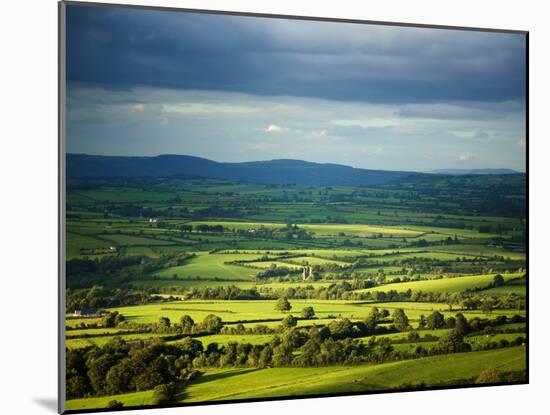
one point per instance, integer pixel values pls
(85, 312)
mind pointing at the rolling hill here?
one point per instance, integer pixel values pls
(281, 171)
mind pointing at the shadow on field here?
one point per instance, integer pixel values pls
(48, 403)
(182, 395)
(216, 376)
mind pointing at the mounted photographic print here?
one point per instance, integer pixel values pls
(259, 207)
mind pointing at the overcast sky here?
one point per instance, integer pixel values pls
(232, 88)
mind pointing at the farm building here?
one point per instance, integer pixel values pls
(85, 312)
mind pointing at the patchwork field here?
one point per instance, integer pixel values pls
(274, 291)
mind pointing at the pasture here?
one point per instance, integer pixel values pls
(442, 285)
(232, 384)
(131, 241)
(211, 266)
(233, 311)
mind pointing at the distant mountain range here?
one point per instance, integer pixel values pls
(282, 171)
(463, 172)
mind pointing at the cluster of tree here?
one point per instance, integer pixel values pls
(120, 367)
(98, 297)
(209, 228)
(211, 324)
(346, 291)
(115, 271)
(112, 319)
(518, 341)
(241, 329)
(276, 271)
(223, 293)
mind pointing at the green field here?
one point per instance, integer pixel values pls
(241, 311)
(211, 266)
(151, 249)
(103, 340)
(443, 285)
(231, 384)
(181, 283)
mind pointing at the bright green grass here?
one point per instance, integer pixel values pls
(102, 340)
(326, 253)
(91, 332)
(449, 285)
(242, 311)
(308, 260)
(301, 323)
(484, 339)
(297, 284)
(243, 384)
(409, 347)
(230, 384)
(128, 399)
(268, 264)
(440, 256)
(223, 339)
(212, 265)
(322, 229)
(186, 284)
(464, 233)
(425, 307)
(507, 289)
(361, 230)
(231, 311)
(403, 335)
(74, 322)
(478, 250)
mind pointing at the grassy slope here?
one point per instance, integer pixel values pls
(212, 266)
(228, 384)
(449, 285)
(290, 381)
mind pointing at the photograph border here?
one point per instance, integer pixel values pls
(62, 194)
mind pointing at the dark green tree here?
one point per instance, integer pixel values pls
(461, 325)
(212, 324)
(283, 305)
(400, 320)
(308, 312)
(289, 321)
(187, 324)
(436, 320)
(453, 342)
(163, 394)
(498, 280)
(164, 323)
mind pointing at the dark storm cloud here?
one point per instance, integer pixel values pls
(123, 48)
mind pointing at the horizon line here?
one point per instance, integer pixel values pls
(432, 171)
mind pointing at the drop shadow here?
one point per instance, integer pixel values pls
(48, 403)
